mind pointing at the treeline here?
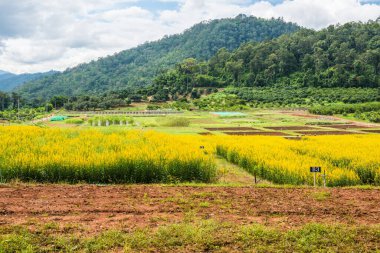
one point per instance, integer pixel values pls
(303, 96)
(14, 107)
(366, 111)
(10, 100)
(343, 56)
(345, 108)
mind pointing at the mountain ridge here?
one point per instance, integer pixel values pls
(138, 66)
(9, 81)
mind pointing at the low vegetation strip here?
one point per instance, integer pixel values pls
(315, 133)
(194, 236)
(57, 155)
(230, 129)
(257, 133)
(346, 160)
(346, 126)
(291, 128)
(89, 218)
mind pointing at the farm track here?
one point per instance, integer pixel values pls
(129, 207)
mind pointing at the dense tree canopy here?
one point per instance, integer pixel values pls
(343, 56)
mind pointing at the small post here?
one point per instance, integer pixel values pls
(315, 170)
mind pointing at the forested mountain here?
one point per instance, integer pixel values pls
(338, 56)
(9, 81)
(138, 66)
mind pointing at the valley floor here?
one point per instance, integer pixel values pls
(232, 215)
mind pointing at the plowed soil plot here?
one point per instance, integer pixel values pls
(256, 133)
(291, 128)
(372, 131)
(128, 207)
(324, 132)
(345, 126)
(230, 129)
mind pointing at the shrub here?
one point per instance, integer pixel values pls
(74, 121)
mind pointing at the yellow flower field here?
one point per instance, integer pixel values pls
(94, 156)
(346, 160)
(55, 155)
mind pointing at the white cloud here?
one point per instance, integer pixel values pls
(317, 14)
(40, 35)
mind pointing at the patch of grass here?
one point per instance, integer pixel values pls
(204, 204)
(106, 241)
(193, 235)
(201, 236)
(321, 195)
(175, 122)
(74, 121)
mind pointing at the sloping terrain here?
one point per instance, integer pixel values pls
(138, 66)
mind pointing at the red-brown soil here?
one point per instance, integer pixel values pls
(128, 207)
(325, 132)
(291, 128)
(372, 131)
(205, 133)
(256, 133)
(230, 128)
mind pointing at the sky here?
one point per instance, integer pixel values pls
(43, 35)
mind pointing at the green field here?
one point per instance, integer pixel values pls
(259, 119)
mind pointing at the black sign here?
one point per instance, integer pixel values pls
(316, 169)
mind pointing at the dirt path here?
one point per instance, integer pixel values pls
(128, 207)
(45, 119)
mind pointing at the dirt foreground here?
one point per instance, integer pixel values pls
(128, 207)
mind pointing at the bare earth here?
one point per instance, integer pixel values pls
(127, 207)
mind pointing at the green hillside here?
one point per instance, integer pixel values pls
(344, 56)
(138, 66)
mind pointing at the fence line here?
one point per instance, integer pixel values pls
(127, 113)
